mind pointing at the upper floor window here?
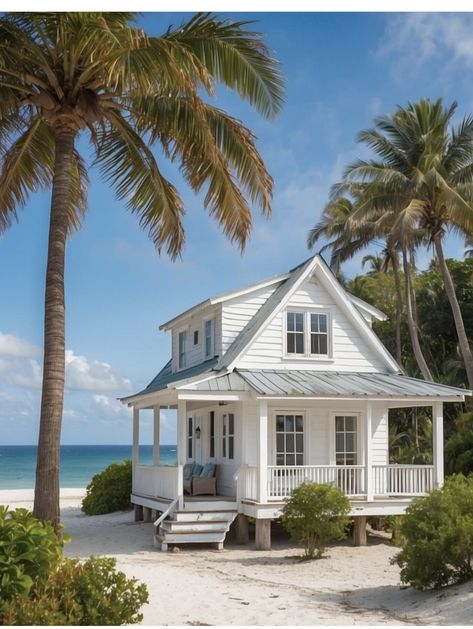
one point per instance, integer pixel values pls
(182, 338)
(307, 333)
(209, 338)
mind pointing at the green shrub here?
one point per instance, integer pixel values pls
(109, 490)
(29, 549)
(88, 593)
(315, 515)
(438, 536)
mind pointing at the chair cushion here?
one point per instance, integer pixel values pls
(197, 471)
(209, 470)
(188, 469)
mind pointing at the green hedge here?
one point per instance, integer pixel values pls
(109, 490)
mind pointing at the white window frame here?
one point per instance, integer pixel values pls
(307, 334)
(225, 437)
(305, 434)
(212, 338)
(359, 436)
(190, 441)
(186, 338)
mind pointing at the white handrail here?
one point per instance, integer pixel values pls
(168, 511)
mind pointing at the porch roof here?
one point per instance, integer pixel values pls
(325, 384)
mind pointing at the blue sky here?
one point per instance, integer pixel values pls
(342, 70)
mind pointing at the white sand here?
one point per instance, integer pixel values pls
(241, 586)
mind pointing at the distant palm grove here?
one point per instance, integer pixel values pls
(415, 190)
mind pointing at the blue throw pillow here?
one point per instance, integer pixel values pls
(209, 470)
(197, 469)
(188, 469)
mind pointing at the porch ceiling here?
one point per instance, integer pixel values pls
(330, 384)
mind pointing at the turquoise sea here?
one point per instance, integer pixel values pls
(78, 463)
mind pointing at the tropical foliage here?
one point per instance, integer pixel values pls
(139, 99)
(438, 536)
(316, 515)
(109, 490)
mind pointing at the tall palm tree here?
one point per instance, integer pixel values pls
(63, 75)
(423, 179)
(377, 263)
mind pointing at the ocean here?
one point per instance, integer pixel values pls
(78, 463)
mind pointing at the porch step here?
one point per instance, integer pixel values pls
(210, 505)
(196, 526)
(206, 516)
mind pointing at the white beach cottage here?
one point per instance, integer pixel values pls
(275, 384)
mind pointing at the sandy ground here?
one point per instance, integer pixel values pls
(241, 586)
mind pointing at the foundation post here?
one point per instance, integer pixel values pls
(359, 530)
(147, 514)
(263, 534)
(241, 528)
(138, 513)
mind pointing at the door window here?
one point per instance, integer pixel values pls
(289, 440)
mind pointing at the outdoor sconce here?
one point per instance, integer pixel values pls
(197, 432)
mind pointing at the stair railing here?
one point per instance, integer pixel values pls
(166, 513)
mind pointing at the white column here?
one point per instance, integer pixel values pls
(136, 440)
(368, 452)
(263, 452)
(437, 419)
(156, 438)
(181, 449)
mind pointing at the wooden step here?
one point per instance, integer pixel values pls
(208, 516)
(171, 526)
(210, 505)
(203, 537)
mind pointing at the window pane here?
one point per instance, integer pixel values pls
(350, 423)
(299, 424)
(350, 459)
(289, 423)
(212, 423)
(314, 323)
(299, 459)
(300, 321)
(290, 459)
(212, 447)
(323, 323)
(279, 423)
(339, 442)
(318, 344)
(291, 343)
(279, 443)
(289, 443)
(299, 443)
(350, 442)
(340, 458)
(224, 447)
(231, 424)
(230, 447)
(280, 459)
(339, 424)
(299, 344)
(291, 322)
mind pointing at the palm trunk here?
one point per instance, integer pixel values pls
(46, 498)
(419, 356)
(457, 315)
(397, 284)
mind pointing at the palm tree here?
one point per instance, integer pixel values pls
(423, 180)
(377, 263)
(63, 75)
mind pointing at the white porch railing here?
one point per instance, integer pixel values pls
(403, 480)
(282, 480)
(156, 480)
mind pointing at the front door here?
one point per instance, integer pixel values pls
(289, 439)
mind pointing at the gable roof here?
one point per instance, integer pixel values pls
(281, 296)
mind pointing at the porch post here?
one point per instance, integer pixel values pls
(263, 452)
(156, 436)
(437, 418)
(136, 438)
(181, 449)
(368, 452)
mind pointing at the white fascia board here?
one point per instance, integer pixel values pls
(222, 297)
(357, 318)
(416, 401)
(364, 305)
(280, 306)
(145, 400)
(212, 396)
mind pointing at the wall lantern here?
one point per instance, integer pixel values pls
(197, 432)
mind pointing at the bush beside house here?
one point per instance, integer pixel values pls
(109, 490)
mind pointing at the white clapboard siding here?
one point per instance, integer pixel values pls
(350, 352)
(236, 313)
(380, 435)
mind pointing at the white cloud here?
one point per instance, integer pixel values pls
(85, 375)
(11, 345)
(417, 38)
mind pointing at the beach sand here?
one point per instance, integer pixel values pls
(241, 586)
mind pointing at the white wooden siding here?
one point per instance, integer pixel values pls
(350, 352)
(237, 312)
(380, 435)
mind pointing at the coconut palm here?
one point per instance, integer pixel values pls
(423, 180)
(65, 75)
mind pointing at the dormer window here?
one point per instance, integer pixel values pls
(182, 349)
(209, 338)
(307, 334)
